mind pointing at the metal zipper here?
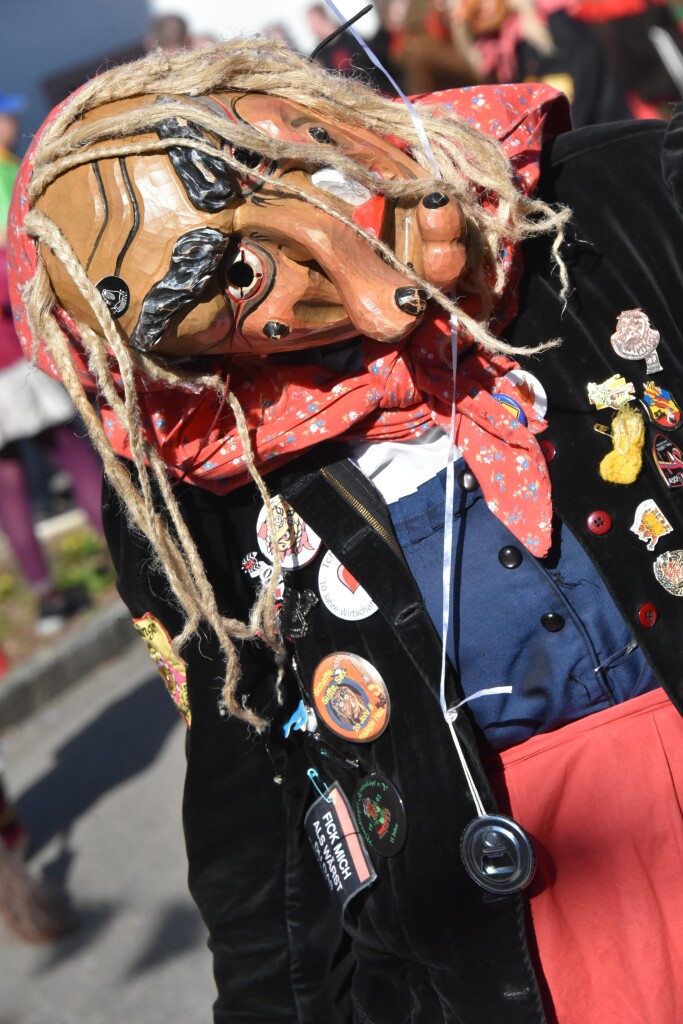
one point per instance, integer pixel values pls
(387, 537)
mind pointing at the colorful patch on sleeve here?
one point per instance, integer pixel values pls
(172, 668)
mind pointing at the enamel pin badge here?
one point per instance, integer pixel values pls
(661, 406)
(668, 570)
(668, 459)
(635, 338)
(611, 393)
(650, 523)
(262, 571)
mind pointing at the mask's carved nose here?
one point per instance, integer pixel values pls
(274, 329)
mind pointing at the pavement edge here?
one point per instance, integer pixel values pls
(64, 663)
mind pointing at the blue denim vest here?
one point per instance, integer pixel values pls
(547, 627)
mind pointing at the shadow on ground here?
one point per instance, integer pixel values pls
(121, 743)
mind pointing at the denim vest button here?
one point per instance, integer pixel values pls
(510, 557)
(552, 621)
(467, 480)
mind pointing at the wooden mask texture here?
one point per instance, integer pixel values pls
(216, 261)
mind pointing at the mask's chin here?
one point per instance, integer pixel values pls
(343, 356)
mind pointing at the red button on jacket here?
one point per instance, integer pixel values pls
(599, 522)
(647, 615)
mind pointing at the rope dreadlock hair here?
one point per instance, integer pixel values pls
(91, 126)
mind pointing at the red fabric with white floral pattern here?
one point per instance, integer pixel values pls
(402, 389)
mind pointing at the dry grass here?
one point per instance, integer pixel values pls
(78, 558)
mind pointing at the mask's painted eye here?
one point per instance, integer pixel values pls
(244, 273)
(320, 135)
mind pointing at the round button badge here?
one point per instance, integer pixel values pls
(512, 407)
(528, 390)
(380, 815)
(115, 293)
(350, 697)
(296, 541)
(341, 593)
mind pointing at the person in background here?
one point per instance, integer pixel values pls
(33, 910)
(471, 42)
(643, 43)
(33, 406)
(171, 33)
(344, 53)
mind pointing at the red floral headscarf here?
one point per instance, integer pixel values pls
(400, 391)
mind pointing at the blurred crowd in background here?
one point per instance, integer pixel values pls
(614, 59)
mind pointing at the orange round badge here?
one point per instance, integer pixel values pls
(350, 697)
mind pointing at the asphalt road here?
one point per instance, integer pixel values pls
(97, 775)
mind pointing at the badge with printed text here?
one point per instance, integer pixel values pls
(528, 390)
(650, 523)
(172, 669)
(380, 815)
(350, 697)
(668, 459)
(635, 338)
(341, 593)
(611, 393)
(340, 851)
(668, 570)
(296, 542)
(661, 406)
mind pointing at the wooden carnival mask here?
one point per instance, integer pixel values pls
(195, 258)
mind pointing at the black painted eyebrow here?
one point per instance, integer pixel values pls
(209, 194)
(105, 204)
(136, 216)
(194, 260)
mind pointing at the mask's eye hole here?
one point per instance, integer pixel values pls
(320, 135)
(251, 161)
(244, 273)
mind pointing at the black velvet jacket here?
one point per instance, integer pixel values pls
(423, 944)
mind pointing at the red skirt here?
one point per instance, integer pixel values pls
(602, 799)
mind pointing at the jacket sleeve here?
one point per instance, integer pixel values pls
(243, 801)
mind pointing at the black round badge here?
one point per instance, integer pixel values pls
(380, 815)
(115, 293)
(498, 854)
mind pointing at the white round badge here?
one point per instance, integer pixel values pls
(297, 543)
(528, 390)
(341, 593)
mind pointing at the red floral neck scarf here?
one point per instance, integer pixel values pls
(399, 392)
